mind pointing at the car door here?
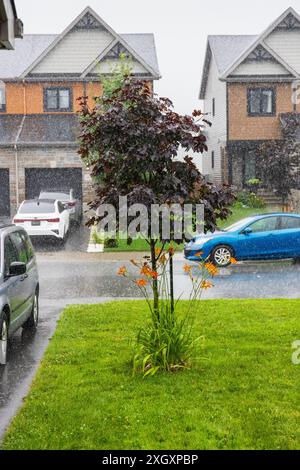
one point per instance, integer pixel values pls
(27, 279)
(263, 241)
(15, 286)
(289, 236)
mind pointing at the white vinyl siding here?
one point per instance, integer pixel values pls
(107, 65)
(217, 134)
(287, 45)
(75, 52)
(260, 68)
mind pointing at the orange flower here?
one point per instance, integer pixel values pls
(141, 282)
(122, 271)
(154, 275)
(171, 251)
(206, 285)
(158, 251)
(187, 268)
(163, 259)
(146, 271)
(211, 268)
(233, 261)
(199, 254)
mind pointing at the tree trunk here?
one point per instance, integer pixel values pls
(155, 282)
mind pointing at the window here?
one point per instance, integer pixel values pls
(213, 159)
(10, 255)
(39, 207)
(2, 100)
(28, 245)
(265, 225)
(289, 223)
(214, 107)
(20, 246)
(261, 102)
(57, 99)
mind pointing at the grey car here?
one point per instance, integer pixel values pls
(19, 285)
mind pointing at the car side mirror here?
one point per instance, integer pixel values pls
(247, 231)
(17, 269)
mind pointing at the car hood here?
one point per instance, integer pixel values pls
(207, 235)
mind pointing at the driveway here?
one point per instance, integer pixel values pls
(67, 277)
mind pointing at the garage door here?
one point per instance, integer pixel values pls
(37, 179)
(4, 193)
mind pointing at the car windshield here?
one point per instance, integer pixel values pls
(238, 225)
(60, 196)
(34, 207)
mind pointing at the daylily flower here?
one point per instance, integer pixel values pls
(211, 268)
(154, 275)
(171, 251)
(199, 254)
(233, 261)
(187, 268)
(141, 282)
(206, 285)
(146, 270)
(122, 271)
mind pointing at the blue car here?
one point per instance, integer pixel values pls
(260, 237)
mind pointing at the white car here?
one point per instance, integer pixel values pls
(43, 218)
(68, 199)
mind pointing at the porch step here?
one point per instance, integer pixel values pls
(270, 198)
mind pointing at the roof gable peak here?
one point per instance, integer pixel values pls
(288, 18)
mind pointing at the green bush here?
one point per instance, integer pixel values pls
(250, 199)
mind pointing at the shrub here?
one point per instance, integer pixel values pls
(250, 199)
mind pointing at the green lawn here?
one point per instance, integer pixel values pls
(237, 214)
(241, 393)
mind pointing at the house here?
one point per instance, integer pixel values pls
(249, 88)
(42, 80)
(11, 26)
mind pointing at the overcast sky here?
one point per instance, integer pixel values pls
(180, 27)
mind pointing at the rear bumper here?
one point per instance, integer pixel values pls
(43, 232)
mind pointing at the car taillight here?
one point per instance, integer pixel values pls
(54, 221)
(71, 204)
(19, 221)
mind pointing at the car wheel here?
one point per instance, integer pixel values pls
(3, 339)
(221, 256)
(33, 320)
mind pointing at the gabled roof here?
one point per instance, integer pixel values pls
(260, 40)
(27, 50)
(229, 51)
(123, 39)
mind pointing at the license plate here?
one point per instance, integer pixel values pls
(35, 223)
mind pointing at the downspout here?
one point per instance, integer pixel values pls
(16, 145)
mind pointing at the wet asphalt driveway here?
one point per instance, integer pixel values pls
(70, 276)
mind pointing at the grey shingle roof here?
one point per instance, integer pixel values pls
(227, 49)
(45, 129)
(27, 50)
(144, 45)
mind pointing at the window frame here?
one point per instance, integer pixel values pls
(3, 107)
(261, 89)
(58, 109)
